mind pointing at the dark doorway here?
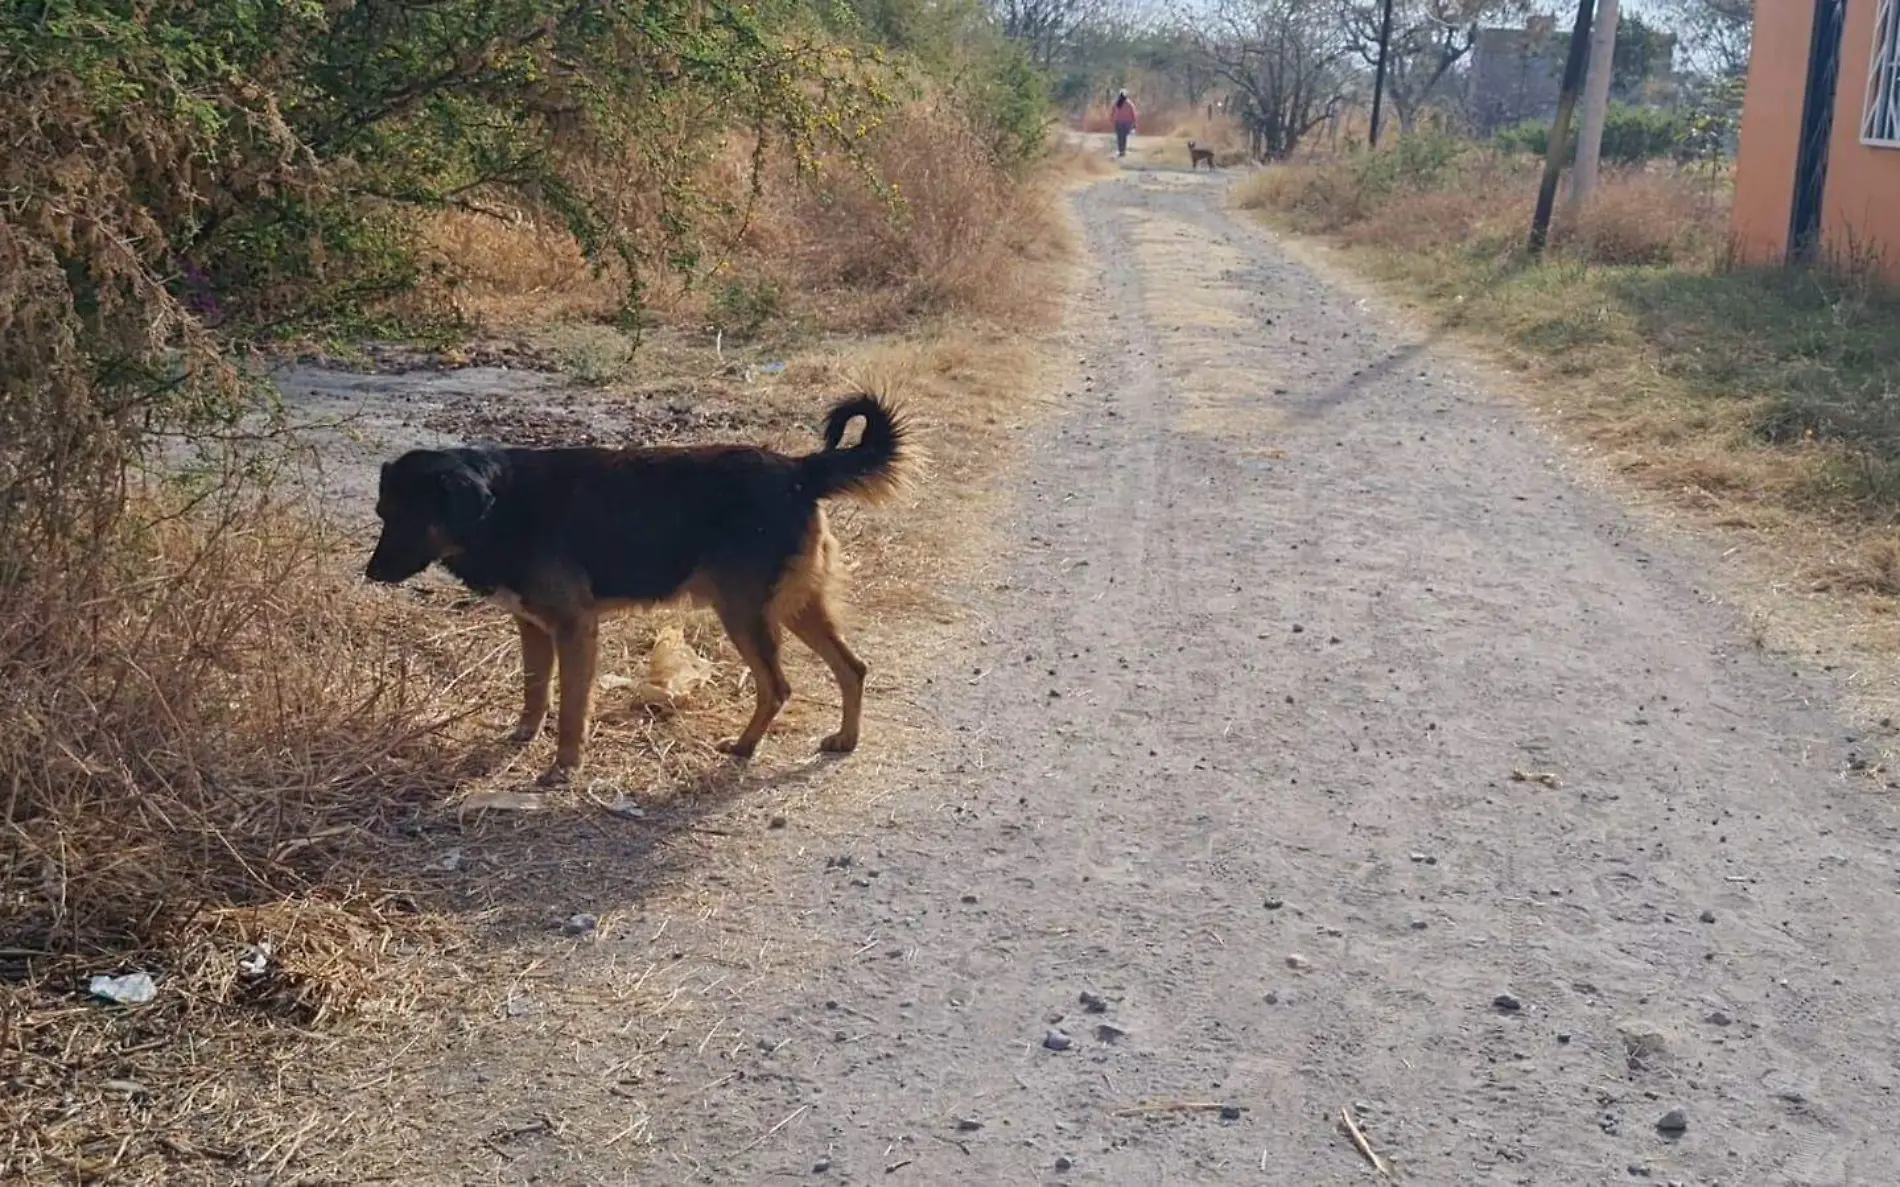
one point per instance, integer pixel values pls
(1817, 127)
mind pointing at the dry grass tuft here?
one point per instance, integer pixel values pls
(504, 271)
(1868, 566)
(956, 235)
(209, 729)
(1643, 218)
(218, 749)
(963, 240)
(1430, 196)
(1073, 162)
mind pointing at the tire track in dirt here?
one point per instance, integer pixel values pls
(1160, 790)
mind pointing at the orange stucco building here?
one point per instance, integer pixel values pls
(1819, 166)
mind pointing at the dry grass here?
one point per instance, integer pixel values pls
(954, 236)
(220, 748)
(1074, 161)
(1652, 217)
(506, 272)
(953, 246)
(1430, 196)
(233, 742)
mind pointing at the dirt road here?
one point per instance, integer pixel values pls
(1289, 600)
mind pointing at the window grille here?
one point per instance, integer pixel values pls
(1881, 126)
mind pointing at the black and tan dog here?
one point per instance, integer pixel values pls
(1197, 154)
(561, 537)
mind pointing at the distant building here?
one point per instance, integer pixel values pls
(1516, 73)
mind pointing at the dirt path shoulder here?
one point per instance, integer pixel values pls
(1345, 752)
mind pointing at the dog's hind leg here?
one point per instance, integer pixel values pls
(537, 672)
(814, 627)
(578, 644)
(757, 644)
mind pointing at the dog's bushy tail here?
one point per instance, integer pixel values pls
(874, 468)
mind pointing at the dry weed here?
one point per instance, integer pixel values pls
(1867, 566)
(956, 234)
(963, 237)
(1649, 218)
(499, 270)
(210, 756)
(1638, 217)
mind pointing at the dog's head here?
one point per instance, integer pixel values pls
(432, 502)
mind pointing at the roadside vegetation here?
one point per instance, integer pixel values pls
(226, 764)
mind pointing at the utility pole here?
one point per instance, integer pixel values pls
(1560, 128)
(1596, 106)
(1378, 77)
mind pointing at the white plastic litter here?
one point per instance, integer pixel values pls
(133, 989)
(256, 960)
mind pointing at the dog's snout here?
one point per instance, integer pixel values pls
(385, 566)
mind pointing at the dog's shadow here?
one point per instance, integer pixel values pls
(525, 857)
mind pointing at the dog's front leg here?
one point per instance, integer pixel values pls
(578, 645)
(537, 673)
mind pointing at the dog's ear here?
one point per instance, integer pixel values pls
(466, 500)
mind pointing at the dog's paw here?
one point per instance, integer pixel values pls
(839, 744)
(525, 732)
(737, 749)
(556, 776)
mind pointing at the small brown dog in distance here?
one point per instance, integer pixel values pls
(1197, 154)
(561, 537)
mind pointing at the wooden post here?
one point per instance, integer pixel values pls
(1560, 129)
(1378, 77)
(1596, 106)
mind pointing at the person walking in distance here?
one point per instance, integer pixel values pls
(1124, 116)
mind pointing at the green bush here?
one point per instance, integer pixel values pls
(988, 79)
(742, 308)
(1008, 106)
(1631, 136)
(1415, 162)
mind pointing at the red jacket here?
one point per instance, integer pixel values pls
(1123, 113)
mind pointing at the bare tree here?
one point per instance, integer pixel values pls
(1429, 39)
(1177, 59)
(1286, 62)
(1044, 27)
(1716, 34)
